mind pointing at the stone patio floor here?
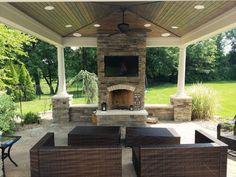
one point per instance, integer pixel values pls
(20, 151)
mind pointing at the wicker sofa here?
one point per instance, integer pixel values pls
(72, 161)
(207, 157)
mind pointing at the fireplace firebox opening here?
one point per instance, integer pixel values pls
(120, 99)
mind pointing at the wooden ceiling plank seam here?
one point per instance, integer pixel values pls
(172, 21)
(81, 16)
(184, 19)
(86, 13)
(195, 22)
(36, 13)
(156, 24)
(158, 16)
(54, 14)
(73, 8)
(177, 20)
(62, 18)
(86, 25)
(70, 15)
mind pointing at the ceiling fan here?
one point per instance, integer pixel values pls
(124, 28)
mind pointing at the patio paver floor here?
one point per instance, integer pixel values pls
(20, 151)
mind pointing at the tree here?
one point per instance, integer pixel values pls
(11, 47)
(90, 86)
(26, 84)
(161, 64)
(42, 62)
(201, 61)
(231, 37)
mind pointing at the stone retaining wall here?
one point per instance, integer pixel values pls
(160, 111)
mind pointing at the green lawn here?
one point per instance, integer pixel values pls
(160, 93)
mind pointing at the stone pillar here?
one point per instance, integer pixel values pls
(61, 101)
(181, 102)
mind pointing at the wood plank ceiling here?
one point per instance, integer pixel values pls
(161, 15)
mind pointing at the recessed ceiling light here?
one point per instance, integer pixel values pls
(77, 34)
(147, 25)
(96, 25)
(175, 27)
(49, 8)
(199, 7)
(165, 34)
(68, 26)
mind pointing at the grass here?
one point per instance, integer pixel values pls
(160, 93)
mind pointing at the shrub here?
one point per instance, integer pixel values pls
(31, 118)
(204, 101)
(7, 113)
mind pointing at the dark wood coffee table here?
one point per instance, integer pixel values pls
(94, 136)
(138, 136)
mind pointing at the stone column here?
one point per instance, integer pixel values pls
(61, 101)
(181, 102)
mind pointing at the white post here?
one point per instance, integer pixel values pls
(181, 72)
(61, 73)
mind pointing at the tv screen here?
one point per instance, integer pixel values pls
(121, 66)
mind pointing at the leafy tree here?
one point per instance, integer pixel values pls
(26, 84)
(201, 61)
(11, 47)
(231, 37)
(162, 64)
(42, 62)
(7, 113)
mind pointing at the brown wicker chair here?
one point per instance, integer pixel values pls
(71, 161)
(207, 157)
(230, 140)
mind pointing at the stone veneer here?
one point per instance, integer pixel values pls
(182, 108)
(60, 109)
(121, 45)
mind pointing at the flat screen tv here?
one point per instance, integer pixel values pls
(121, 66)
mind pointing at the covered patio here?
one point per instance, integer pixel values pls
(95, 23)
(120, 29)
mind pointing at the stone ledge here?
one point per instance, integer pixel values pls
(84, 106)
(163, 106)
(121, 112)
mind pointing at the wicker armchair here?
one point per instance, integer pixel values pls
(72, 161)
(230, 140)
(207, 157)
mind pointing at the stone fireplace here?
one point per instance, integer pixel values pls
(121, 93)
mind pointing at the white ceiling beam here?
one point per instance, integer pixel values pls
(163, 42)
(80, 41)
(11, 16)
(222, 23)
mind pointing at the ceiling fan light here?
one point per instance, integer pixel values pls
(77, 34)
(165, 34)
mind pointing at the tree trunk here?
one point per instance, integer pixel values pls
(84, 59)
(38, 89)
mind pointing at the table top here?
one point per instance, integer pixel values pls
(6, 141)
(95, 130)
(151, 131)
